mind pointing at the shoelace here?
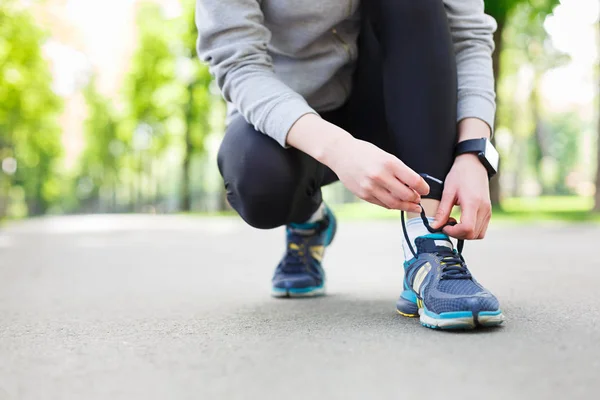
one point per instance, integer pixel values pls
(296, 258)
(453, 263)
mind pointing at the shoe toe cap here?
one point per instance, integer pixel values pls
(476, 304)
(294, 282)
(481, 303)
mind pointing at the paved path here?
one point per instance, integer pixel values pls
(172, 307)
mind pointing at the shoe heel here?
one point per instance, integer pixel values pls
(332, 229)
(407, 305)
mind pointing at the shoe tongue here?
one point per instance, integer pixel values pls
(435, 242)
(305, 229)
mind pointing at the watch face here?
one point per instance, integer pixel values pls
(492, 155)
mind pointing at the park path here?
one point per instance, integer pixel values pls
(175, 307)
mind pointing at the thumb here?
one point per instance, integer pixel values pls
(443, 213)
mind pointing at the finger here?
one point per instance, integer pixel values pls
(410, 178)
(375, 201)
(483, 232)
(445, 209)
(486, 224)
(398, 189)
(479, 224)
(484, 214)
(394, 203)
(468, 220)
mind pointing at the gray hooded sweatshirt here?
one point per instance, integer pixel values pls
(277, 60)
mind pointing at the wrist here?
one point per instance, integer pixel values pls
(473, 128)
(471, 161)
(317, 138)
(468, 158)
(333, 140)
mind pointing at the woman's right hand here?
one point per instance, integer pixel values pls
(367, 171)
(376, 176)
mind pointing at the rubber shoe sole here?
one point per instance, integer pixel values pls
(296, 293)
(460, 320)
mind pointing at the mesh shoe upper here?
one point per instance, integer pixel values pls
(441, 280)
(301, 265)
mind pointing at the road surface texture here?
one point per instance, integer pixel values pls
(174, 307)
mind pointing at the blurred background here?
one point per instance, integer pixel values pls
(104, 108)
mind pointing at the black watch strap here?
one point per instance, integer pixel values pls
(470, 146)
(479, 147)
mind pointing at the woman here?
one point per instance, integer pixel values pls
(376, 95)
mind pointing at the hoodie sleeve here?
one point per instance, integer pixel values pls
(472, 33)
(233, 39)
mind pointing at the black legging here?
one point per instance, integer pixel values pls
(403, 101)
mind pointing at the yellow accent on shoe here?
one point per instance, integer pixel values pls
(407, 315)
(317, 252)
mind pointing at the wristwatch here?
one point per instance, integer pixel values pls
(485, 151)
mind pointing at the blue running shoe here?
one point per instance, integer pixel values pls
(439, 288)
(300, 273)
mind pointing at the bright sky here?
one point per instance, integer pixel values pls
(573, 31)
(106, 27)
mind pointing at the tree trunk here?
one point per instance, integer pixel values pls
(139, 196)
(495, 182)
(540, 134)
(132, 194)
(4, 186)
(186, 194)
(114, 206)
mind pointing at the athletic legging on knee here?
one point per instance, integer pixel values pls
(403, 100)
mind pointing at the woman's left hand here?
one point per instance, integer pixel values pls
(467, 185)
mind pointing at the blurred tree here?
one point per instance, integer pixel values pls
(502, 10)
(29, 133)
(199, 100)
(100, 159)
(564, 134)
(530, 52)
(168, 94)
(154, 98)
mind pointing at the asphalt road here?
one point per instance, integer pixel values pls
(140, 307)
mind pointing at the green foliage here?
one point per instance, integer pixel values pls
(529, 50)
(29, 109)
(527, 54)
(165, 116)
(501, 10)
(167, 88)
(101, 157)
(199, 98)
(152, 92)
(563, 149)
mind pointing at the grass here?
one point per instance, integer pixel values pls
(554, 208)
(514, 210)
(549, 208)
(549, 204)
